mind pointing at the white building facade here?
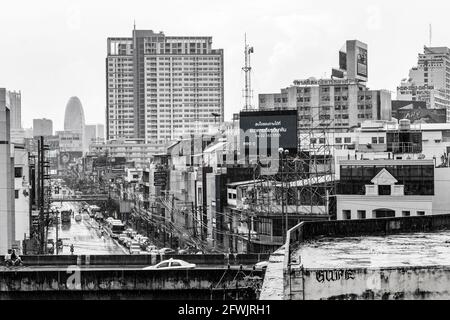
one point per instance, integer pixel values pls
(371, 189)
(161, 87)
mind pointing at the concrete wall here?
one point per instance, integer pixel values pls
(417, 282)
(68, 281)
(141, 260)
(386, 283)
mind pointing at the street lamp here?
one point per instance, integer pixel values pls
(284, 216)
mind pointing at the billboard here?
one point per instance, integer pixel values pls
(276, 125)
(160, 178)
(343, 60)
(417, 112)
(361, 62)
(68, 157)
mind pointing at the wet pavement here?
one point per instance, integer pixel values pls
(414, 249)
(84, 235)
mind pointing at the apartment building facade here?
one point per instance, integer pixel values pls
(330, 103)
(429, 81)
(160, 88)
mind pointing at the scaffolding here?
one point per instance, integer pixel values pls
(304, 185)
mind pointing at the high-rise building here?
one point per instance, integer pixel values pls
(74, 116)
(90, 133)
(74, 121)
(161, 87)
(353, 63)
(342, 102)
(94, 133)
(429, 81)
(7, 226)
(42, 127)
(17, 132)
(15, 99)
(100, 129)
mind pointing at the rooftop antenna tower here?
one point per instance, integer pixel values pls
(430, 35)
(247, 69)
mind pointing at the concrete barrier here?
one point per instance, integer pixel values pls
(74, 280)
(141, 259)
(409, 283)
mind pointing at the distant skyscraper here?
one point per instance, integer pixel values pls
(42, 127)
(74, 121)
(166, 88)
(90, 133)
(74, 116)
(15, 102)
(100, 131)
(15, 99)
(429, 81)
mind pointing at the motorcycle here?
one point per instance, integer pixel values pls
(14, 263)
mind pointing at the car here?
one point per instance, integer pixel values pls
(262, 265)
(172, 264)
(166, 251)
(183, 251)
(122, 239)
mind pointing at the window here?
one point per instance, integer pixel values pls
(420, 213)
(361, 214)
(18, 172)
(384, 190)
(338, 140)
(347, 140)
(16, 194)
(380, 139)
(164, 265)
(406, 213)
(313, 140)
(346, 214)
(374, 139)
(321, 140)
(175, 264)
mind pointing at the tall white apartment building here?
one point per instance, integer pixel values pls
(429, 81)
(160, 88)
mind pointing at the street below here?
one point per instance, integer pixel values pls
(85, 235)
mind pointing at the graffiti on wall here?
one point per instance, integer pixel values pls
(335, 275)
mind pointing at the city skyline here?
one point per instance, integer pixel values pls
(283, 49)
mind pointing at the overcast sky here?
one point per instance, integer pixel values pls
(52, 50)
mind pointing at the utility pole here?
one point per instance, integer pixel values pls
(57, 230)
(41, 193)
(193, 220)
(249, 219)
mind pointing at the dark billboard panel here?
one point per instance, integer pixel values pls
(272, 124)
(343, 60)
(361, 62)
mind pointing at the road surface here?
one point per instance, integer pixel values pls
(84, 235)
